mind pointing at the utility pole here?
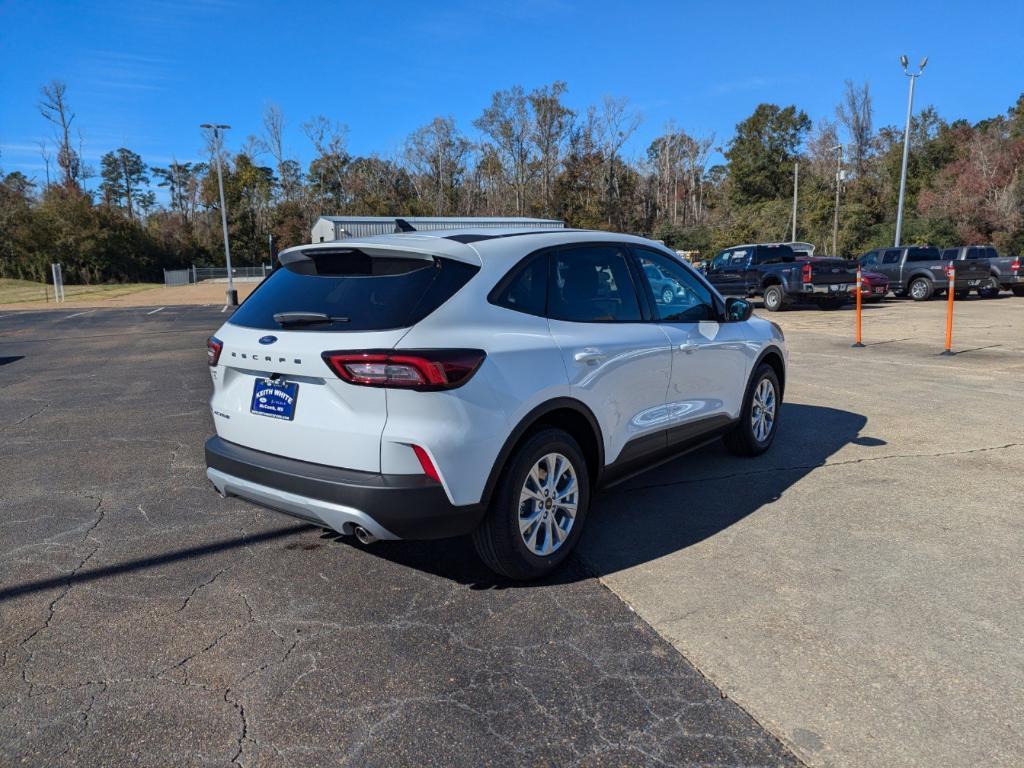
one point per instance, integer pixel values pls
(796, 186)
(218, 129)
(906, 140)
(839, 180)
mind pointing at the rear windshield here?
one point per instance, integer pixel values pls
(356, 292)
(923, 254)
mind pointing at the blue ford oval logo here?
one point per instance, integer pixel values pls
(268, 339)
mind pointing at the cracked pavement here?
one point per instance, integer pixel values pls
(146, 621)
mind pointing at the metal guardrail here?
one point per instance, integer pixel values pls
(192, 275)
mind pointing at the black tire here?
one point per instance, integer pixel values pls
(921, 289)
(991, 291)
(774, 298)
(497, 539)
(1018, 290)
(741, 440)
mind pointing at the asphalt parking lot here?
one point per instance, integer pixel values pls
(856, 590)
(148, 622)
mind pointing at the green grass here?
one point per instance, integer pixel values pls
(19, 291)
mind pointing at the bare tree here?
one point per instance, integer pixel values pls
(855, 114)
(507, 123)
(436, 155)
(613, 126)
(329, 140)
(54, 108)
(552, 122)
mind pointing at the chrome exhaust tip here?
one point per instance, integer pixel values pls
(364, 536)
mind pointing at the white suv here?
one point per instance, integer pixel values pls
(424, 385)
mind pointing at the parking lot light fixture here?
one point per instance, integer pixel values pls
(906, 140)
(218, 134)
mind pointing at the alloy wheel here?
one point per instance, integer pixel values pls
(762, 412)
(547, 504)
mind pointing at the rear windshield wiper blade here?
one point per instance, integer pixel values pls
(306, 318)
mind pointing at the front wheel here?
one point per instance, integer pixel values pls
(759, 418)
(538, 508)
(774, 298)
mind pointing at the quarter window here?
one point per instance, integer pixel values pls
(892, 256)
(592, 284)
(527, 291)
(679, 296)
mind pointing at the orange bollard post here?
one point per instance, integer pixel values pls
(951, 271)
(857, 337)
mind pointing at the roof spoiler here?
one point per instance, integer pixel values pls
(401, 225)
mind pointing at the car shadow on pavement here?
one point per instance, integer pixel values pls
(666, 509)
(696, 496)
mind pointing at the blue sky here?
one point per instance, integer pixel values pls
(145, 74)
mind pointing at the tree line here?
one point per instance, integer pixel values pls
(530, 155)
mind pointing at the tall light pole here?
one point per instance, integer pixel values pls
(796, 187)
(906, 139)
(232, 294)
(839, 178)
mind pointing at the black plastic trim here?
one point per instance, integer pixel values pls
(410, 506)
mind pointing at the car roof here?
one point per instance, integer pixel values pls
(473, 244)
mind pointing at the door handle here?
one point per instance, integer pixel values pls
(589, 355)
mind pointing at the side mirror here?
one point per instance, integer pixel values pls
(738, 310)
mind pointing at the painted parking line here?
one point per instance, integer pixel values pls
(156, 310)
(79, 314)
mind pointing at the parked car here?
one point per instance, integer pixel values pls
(427, 385)
(874, 286)
(920, 271)
(1005, 271)
(666, 290)
(774, 271)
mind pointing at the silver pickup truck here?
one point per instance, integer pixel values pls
(920, 271)
(1005, 272)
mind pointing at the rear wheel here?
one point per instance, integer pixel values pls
(759, 418)
(990, 291)
(538, 508)
(921, 289)
(774, 298)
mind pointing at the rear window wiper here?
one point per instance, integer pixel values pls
(306, 318)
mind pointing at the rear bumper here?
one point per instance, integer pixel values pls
(388, 506)
(826, 290)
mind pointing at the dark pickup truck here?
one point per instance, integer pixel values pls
(920, 271)
(781, 276)
(1005, 272)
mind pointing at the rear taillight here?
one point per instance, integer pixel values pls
(950, 269)
(1015, 265)
(213, 350)
(421, 369)
(806, 271)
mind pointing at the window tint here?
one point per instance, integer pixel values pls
(976, 253)
(869, 259)
(923, 254)
(721, 260)
(892, 256)
(739, 257)
(991, 253)
(360, 292)
(527, 291)
(592, 284)
(950, 254)
(679, 297)
(774, 254)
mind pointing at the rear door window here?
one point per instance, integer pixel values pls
(352, 291)
(592, 284)
(976, 253)
(892, 256)
(923, 254)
